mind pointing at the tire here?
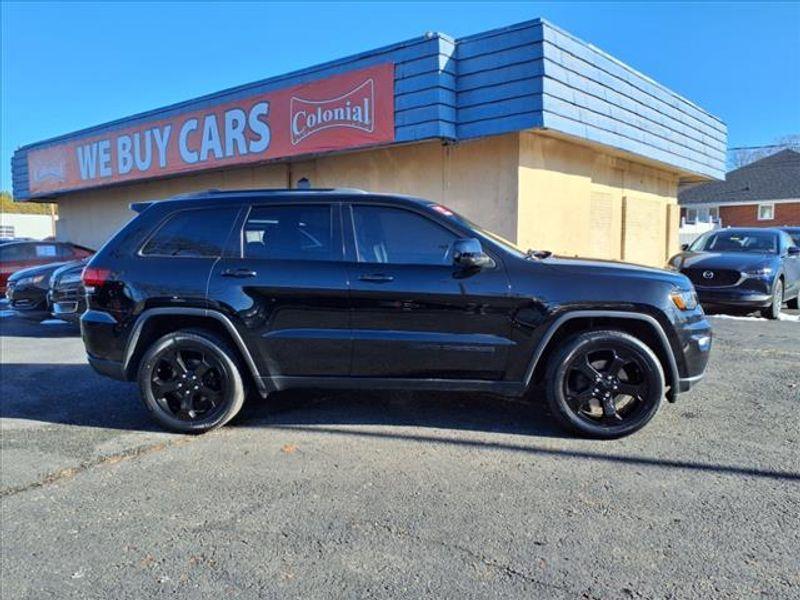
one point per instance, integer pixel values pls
(624, 364)
(177, 401)
(794, 303)
(773, 311)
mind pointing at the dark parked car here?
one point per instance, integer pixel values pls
(18, 255)
(66, 296)
(26, 291)
(202, 298)
(740, 267)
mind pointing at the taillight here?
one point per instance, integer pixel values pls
(95, 276)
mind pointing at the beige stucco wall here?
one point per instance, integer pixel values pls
(540, 191)
(476, 178)
(576, 199)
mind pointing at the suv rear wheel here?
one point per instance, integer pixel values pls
(190, 380)
(604, 384)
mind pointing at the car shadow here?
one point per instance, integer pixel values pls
(16, 326)
(439, 410)
(73, 394)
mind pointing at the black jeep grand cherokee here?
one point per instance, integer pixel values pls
(204, 297)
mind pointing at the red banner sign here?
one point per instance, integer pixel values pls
(351, 110)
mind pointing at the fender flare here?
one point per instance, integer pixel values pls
(673, 375)
(147, 314)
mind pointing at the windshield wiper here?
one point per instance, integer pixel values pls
(538, 254)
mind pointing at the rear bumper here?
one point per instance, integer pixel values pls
(104, 341)
(109, 368)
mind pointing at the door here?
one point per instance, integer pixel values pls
(416, 315)
(791, 266)
(286, 281)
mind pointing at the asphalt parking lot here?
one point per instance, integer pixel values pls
(399, 495)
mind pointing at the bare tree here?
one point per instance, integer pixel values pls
(739, 157)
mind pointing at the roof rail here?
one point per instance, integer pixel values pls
(140, 207)
(248, 191)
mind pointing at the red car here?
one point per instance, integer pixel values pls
(20, 255)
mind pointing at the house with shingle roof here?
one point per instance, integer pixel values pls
(765, 193)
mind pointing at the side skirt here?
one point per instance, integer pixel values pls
(500, 388)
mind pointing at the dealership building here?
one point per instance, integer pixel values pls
(527, 130)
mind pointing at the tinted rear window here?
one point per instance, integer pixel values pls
(193, 233)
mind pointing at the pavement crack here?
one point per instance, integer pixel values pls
(494, 564)
(68, 473)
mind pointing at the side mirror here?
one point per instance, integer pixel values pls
(793, 251)
(468, 254)
(684, 247)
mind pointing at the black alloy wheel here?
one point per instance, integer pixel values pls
(605, 384)
(191, 382)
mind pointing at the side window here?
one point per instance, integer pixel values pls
(16, 252)
(46, 251)
(400, 237)
(297, 232)
(193, 233)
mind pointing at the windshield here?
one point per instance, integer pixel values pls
(737, 241)
(484, 233)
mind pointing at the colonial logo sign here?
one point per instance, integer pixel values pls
(350, 110)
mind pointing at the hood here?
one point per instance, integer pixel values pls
(734, 261)
(622, 269)
(34, 271)
(75, 265)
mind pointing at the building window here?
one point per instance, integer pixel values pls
(766, 212)
(713, 214)
(691, 215)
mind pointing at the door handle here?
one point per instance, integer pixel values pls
(241, 273)
(376, 278)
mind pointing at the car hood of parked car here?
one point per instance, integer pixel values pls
(611, 268)
(75, 265)
(734, 261)
(34, 271)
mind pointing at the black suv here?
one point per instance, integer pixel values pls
(204, 297)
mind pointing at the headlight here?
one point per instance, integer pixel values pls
(30, 280)
(684, 299)
(762, 272)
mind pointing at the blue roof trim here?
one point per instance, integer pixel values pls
(524, 76)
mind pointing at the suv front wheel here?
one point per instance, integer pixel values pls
(190, 381)
(604, 384)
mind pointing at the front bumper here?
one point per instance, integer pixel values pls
(29, 302)
(67, 304)
(692, 350)
(734, 297)
(687, 383)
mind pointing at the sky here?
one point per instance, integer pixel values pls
(69, 66)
